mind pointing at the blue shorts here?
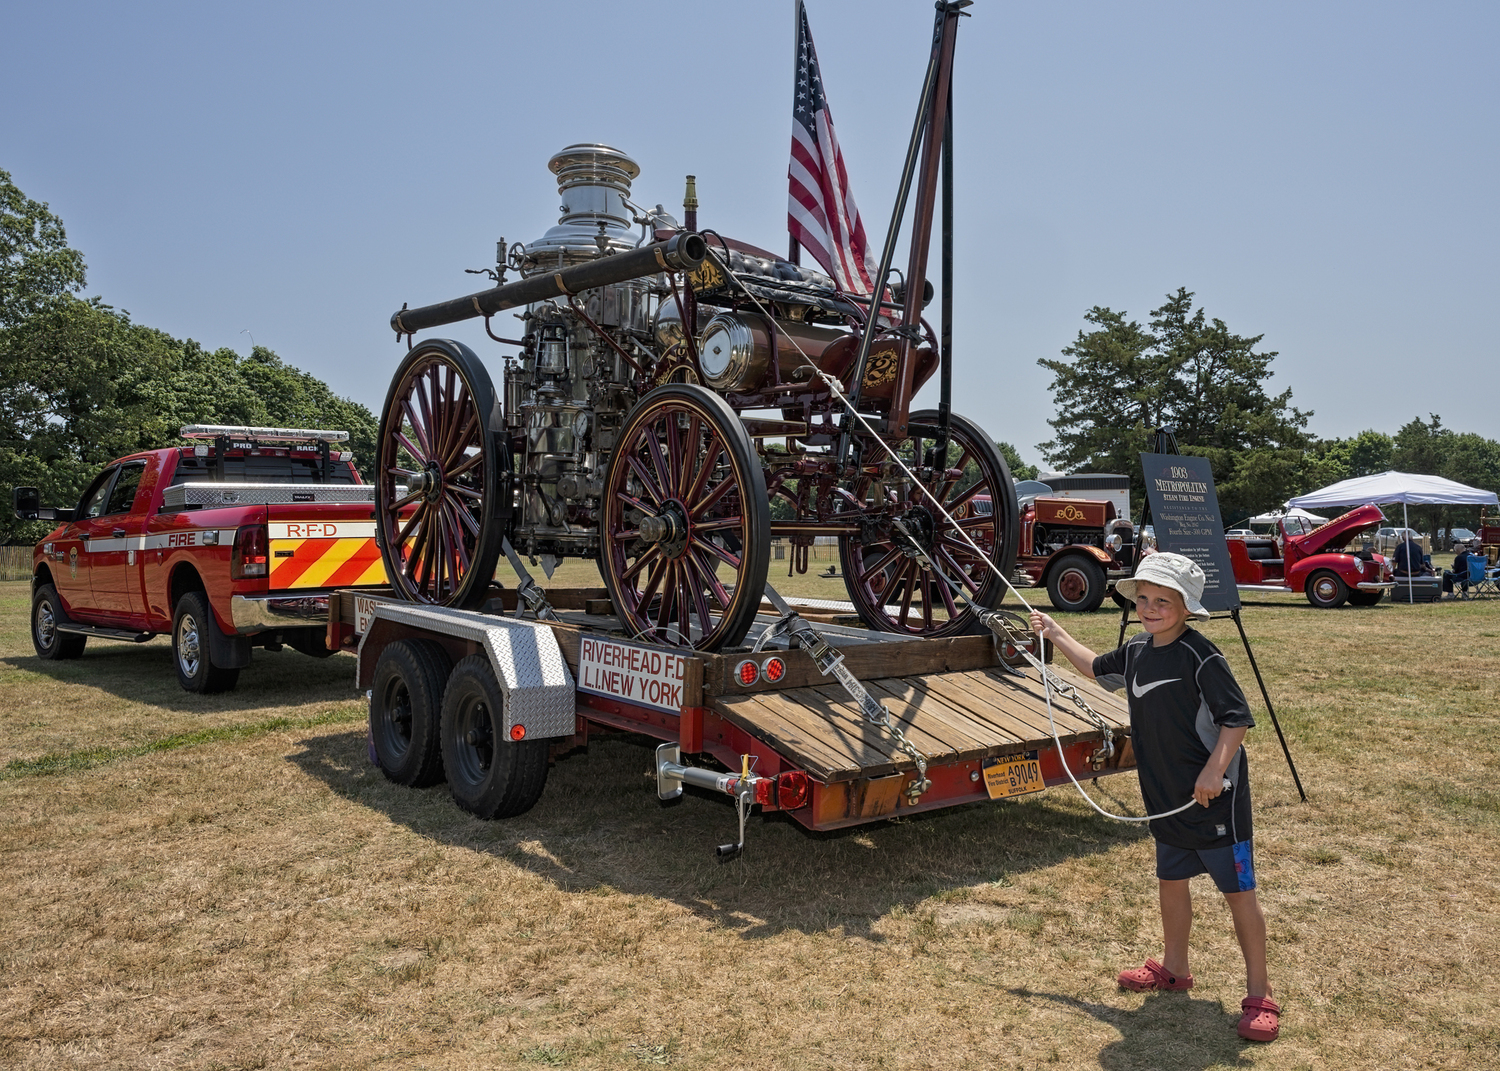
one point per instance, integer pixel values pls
(1232, 868)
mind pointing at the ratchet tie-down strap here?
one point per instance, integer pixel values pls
(1009, 626)
(830, 662)
(528, 591)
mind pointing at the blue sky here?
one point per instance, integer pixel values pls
(1320, 173)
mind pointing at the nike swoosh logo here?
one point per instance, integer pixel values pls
(1137, 691)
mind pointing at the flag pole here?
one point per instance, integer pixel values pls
(794, 249)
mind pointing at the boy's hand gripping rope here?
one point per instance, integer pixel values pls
(991, 618)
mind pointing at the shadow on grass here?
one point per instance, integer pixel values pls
(1168, 1032)
(599, 827)
(145, 673)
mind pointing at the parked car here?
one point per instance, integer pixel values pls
(1456, 539)
(1239, 533)
(1316, 560)
(1387, 539)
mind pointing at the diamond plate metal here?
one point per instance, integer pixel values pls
(533, 675)
(182, 495)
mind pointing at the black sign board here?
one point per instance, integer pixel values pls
(1185, 513)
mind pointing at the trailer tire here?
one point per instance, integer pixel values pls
(192, 650)
(1326, 590)
(489, 775)
(1076, 584)
(46, 614)
(406, 705)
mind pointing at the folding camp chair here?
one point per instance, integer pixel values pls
(1484, 578)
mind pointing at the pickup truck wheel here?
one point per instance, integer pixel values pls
(46, 613)
(1076, 584)
(406, 704)
(490, 775)
(1365, 598)
(1326, 590)
(191, 654)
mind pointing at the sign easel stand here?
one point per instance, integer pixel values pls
(1166, 443)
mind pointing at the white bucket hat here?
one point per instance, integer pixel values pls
(1168, 570)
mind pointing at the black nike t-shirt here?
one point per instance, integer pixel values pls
(1180, 696)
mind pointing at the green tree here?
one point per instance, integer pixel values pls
(1019, 470)
(1188, 373)
(36, 263)
(1428, 448)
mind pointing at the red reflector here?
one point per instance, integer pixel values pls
(791, 790)
(747, 672)
(518, 732)
(765, 792)
(774, 669)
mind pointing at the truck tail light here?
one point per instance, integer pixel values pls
(250, 558)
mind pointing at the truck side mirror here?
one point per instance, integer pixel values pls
(27, 503)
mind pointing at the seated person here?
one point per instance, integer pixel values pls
(1459, 573)
(1409, 559)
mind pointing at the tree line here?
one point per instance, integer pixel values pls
(1119, 381)
(81, 384)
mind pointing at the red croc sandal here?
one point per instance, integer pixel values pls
(1153, 976)
(1260, 1019)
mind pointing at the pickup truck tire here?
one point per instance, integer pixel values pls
(46, 614)
(191, 650)
(490, 775)
(406, 707)
(1076, 584)
(1326, 590)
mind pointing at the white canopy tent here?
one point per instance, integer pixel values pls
(1276, 515)
(1407, 488)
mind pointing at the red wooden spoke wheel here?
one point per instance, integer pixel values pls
(891, 589)
(685, 538)
(440, 478)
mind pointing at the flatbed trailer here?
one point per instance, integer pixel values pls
(790, 737)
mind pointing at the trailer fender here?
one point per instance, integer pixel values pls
(533, 675)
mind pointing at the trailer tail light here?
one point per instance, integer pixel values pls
(249, 559)
(791, 790)
(747, 673)
(774, 670)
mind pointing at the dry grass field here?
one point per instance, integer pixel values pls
(226, 882)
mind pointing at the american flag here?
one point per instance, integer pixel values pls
(821, 214)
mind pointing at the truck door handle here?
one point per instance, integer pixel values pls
(118, 533)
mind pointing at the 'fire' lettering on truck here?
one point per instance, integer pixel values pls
(642, 675)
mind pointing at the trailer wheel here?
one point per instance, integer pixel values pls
(1076, 584)
(406, 704)
(1326, 590)
(1365, 598)
(684, 499)
(191, 651)
(489, 775)
(442, 478)
(46, 613)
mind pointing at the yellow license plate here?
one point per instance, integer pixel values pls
(1013, 776)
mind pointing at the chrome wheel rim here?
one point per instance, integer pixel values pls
(189, 654)
(46, 625)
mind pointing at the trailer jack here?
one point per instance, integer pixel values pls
(746, 788)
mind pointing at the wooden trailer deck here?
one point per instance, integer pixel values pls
(951, 697)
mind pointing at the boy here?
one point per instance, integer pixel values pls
(1188, 718)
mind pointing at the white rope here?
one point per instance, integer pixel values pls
(1046, 674)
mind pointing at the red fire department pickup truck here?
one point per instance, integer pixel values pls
(229, 543)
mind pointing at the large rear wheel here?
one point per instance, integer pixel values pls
(890, 587)
(442, 478)
(686, 528)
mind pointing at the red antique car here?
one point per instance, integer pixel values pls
(1316, 561)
